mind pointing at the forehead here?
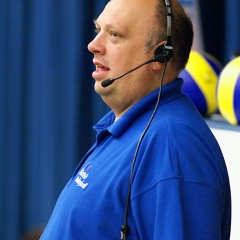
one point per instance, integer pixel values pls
(127, 13)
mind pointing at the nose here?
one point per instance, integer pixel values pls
(97, 45)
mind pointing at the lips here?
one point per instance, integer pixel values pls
(101, 70)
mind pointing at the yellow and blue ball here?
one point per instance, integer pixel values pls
(200, 81)
(228, 92)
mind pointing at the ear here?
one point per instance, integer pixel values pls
(163, 53)
(156, 66)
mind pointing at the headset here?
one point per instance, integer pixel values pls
(164, 51)
(162, 54)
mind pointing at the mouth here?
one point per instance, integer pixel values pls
(101, 71)
(100, 67)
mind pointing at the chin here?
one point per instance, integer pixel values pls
(101, 90)
(104, 92)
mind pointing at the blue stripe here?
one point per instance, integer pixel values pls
(236, 99)
(217, 69)
(191, 89)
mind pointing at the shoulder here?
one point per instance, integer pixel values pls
(179, 144)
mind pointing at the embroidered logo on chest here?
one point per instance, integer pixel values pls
(82, 176)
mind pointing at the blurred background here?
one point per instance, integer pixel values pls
(47, 102)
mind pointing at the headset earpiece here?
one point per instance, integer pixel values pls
(163, 52)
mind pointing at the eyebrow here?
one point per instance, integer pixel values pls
(109, 25)
(95, 21)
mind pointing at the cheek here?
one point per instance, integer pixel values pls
(120, 63)
(125, 57)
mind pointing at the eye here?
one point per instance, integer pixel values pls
(114, 34)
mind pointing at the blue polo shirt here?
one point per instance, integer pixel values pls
(180, 187)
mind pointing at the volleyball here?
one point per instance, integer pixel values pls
(200, 81)
(228, 92)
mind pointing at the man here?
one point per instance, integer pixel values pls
(179, 188)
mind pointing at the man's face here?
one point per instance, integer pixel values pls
(119, 46)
